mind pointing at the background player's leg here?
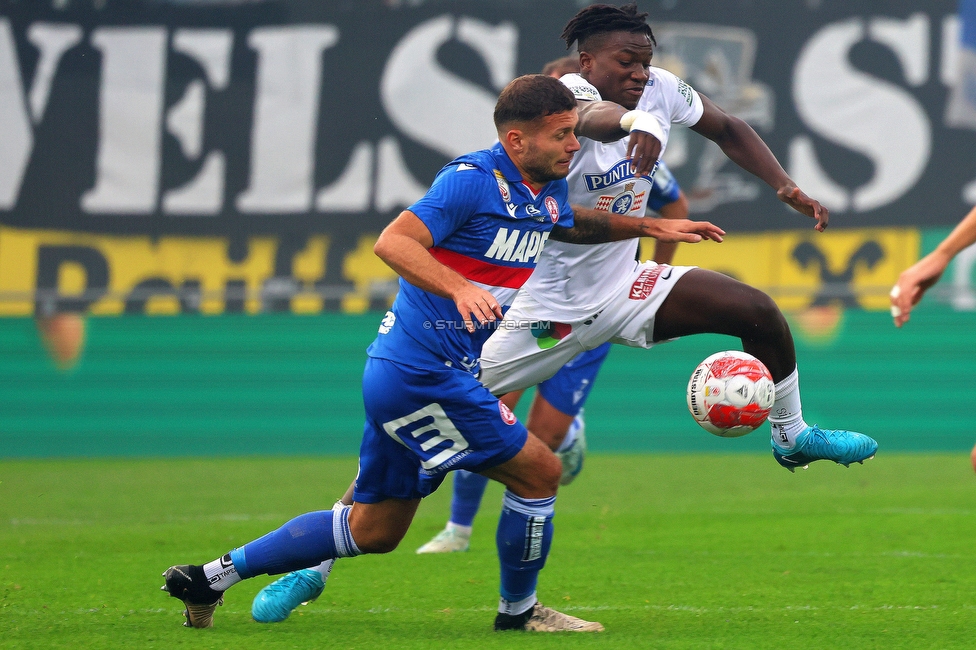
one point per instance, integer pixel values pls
(562, 432)
(469, 488)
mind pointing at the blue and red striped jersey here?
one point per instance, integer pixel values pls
(489, 226)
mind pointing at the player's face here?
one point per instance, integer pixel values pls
(617, 66)
(548, 148)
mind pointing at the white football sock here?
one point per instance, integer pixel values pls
(324, 569)
(786, 416)
(518, 607)
(571, 434)
(221, 573)
(463, 531)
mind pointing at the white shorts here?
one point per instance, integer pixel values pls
(527, 349)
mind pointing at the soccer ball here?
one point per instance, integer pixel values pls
(730, 393)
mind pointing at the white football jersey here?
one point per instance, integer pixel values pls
(573, 281)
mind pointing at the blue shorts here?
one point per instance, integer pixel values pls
(568, 389)
(423, 423)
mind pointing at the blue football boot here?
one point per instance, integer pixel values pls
(843, 447)
(276, 602)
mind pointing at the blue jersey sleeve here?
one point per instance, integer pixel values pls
(561, 194)
(455, 196)
(664, 190)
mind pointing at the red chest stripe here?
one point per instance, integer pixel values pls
(510, 277)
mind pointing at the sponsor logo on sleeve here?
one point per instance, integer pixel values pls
(586, 93)
(685, 91)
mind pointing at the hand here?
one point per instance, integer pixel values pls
(476, 304)
(643, 151)
(792, 196)
(680, 230)
(912, 285)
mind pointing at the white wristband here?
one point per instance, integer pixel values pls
(640, 121)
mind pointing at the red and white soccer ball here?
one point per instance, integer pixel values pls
(730, 393)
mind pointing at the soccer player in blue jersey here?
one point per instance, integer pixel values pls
(462, 252)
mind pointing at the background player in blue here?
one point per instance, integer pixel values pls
(462, 252)
(556, 414)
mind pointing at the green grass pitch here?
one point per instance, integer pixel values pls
(667, 551)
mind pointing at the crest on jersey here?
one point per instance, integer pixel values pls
(623, 203)
(503, 186)
(553, 207)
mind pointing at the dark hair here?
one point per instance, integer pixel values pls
(564, 65)
(601, 19)
(531, 97)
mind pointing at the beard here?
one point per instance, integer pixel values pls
(541, 169)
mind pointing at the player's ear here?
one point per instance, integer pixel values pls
(585, 62)
(515, 139)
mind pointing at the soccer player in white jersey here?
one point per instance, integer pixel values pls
(590, 295)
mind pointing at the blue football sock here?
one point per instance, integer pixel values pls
(523, 538)
(305, 541)
(468, 490)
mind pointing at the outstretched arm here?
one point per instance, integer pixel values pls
(664, 251)
(916, 279)
(404, 245)
(745, 148)
(597, 227)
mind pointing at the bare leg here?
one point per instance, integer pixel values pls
(379, 527)
(708, 302)
(532, 474)
(547, 422)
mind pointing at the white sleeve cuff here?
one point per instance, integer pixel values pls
(641, 121)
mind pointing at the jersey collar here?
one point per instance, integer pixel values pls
(505, 164)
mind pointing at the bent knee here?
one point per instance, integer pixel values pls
(765, 314)
(546, 479)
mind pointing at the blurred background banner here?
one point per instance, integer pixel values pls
(241, 156)
(236, 158)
